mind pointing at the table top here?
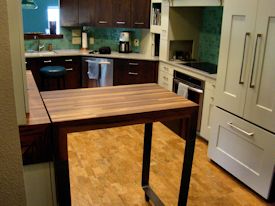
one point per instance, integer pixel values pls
(110, 103)
(37, 112)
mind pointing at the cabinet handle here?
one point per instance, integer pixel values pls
(26, 62)
(165, 78)
(69, 69)
(68, 60)
(133, 64)
(48, 61)
(251, 85)
(139, 23)
(240, 130)
(121, 22)
(247, 34)
(103, 22)
(133, 73)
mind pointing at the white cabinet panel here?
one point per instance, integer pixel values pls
(238, 24)
(246, 151)
(260, 106)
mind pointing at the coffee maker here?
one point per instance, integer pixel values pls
(124, 42)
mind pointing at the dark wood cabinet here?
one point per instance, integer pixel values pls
(103, 13)
(121, 13)
(134, 71)
(69, 12)
(71, 64)
(140, 13)
(86, 10)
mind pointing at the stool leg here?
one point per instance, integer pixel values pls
(64, 83)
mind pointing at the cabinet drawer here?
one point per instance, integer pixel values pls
(244, 150)
(166, 68)
(165, 80)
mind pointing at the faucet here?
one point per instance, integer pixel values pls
(39, 47)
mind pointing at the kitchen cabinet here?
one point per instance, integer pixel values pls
(69, 12)
(86, 11)
(245, 84)
(121, 13)
(242, 134)
(134, 71)
(165, 76)
(103, 13)
(243, 149)
(140, 13)
(71, 64)
(207, 110)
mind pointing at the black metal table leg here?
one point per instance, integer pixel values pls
(188, 160)
(146, 156)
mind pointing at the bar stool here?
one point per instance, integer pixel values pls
(52, 72)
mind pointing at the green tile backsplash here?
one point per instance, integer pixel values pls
(210, 33)
(102, 37)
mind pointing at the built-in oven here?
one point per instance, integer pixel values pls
(195, 93)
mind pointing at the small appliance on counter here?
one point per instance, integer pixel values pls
(104, 50)
(124, 42)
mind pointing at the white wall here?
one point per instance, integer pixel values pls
(11, 170)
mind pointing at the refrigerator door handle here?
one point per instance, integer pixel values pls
(240, 130)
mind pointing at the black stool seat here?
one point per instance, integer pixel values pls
(53, 71)
(53, 75)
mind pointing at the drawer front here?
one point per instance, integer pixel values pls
(165, 80)
(166, 68)
(244, 150)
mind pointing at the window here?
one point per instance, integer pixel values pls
(53, 15)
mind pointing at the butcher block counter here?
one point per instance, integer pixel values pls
(78, 110)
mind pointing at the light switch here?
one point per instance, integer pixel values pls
(76, 40)
(92, 40)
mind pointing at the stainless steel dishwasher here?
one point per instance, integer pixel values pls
(97, 72)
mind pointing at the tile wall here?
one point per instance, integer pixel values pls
(210, 33)
(102, 37)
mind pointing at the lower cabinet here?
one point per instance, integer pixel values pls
(40, 184)
(134, 71)
(207, 110)
(71, 64)
(165, 76)
(244, 150)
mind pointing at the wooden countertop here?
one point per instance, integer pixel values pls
(37, 112)
(107, 103)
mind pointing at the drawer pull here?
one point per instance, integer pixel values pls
(139, 23)
(165, 78)
(69, 69)
(48, 61)
(133, 64)
(121, 22)
(103, 22)
(133, 73)
(68, 60)
(240, 130)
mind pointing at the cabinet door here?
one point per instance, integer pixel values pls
(121, 13)
(103, 13)
(73, 72)
(236, 48)
(86, 12)
(69, 12)
(260, 102)
(243, 149)
(140, 13)
(134, 72)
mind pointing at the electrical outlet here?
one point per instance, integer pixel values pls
(76, 40)
(92, 40)
(136, 42)
(76, 32)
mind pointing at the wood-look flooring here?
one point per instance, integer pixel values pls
(105, 169)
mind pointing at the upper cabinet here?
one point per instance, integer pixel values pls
(121, 13)
(140, 13)
(105, 13)
(245, 81)
(86, 10)
(69, 12)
